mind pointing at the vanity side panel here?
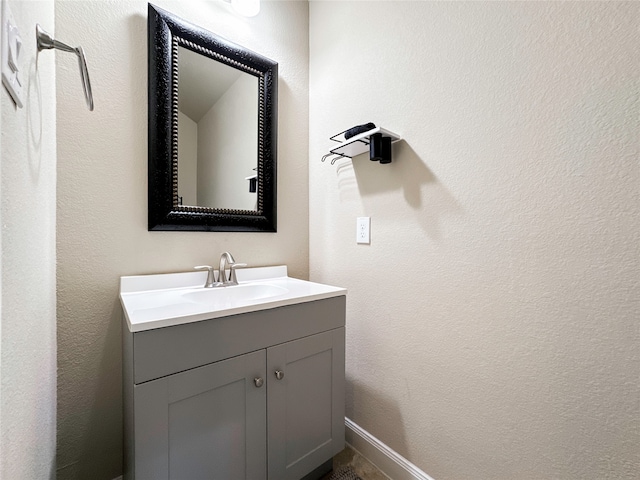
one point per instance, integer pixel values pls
(127, 389)
(339, 389)
(169, 350)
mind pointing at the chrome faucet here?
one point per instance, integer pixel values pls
(227, 260)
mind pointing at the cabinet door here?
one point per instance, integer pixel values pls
(306, 404)
(206, 423)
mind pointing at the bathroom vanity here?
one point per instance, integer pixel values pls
(241, 382)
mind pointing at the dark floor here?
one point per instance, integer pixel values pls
(363, 468)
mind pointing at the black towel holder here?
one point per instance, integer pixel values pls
(360, 144)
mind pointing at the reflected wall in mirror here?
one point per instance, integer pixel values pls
(212, 131)
(217, 133)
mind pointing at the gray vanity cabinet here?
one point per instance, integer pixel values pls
(264, 403)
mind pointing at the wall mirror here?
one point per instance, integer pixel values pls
(212, 131)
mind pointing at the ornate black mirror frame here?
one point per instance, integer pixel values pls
(165, 33)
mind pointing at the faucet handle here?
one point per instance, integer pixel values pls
(211, 275)
(233, 278)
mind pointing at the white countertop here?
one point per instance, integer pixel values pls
(156, 301)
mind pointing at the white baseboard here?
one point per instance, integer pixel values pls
(391, 463)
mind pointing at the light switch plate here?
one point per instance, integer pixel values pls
(363, 230)
(11, 46)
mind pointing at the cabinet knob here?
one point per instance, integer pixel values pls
(258, 381)
(279, 374)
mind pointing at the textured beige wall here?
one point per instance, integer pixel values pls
(492, 324)
(102, 200)
(28, 295)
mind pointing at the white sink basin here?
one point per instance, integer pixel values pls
(248, 292)
(156, 301)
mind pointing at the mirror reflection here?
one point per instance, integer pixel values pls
(217, 134)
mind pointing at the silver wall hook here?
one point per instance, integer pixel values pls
(46, 41)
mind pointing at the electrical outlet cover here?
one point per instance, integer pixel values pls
(363, 230)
